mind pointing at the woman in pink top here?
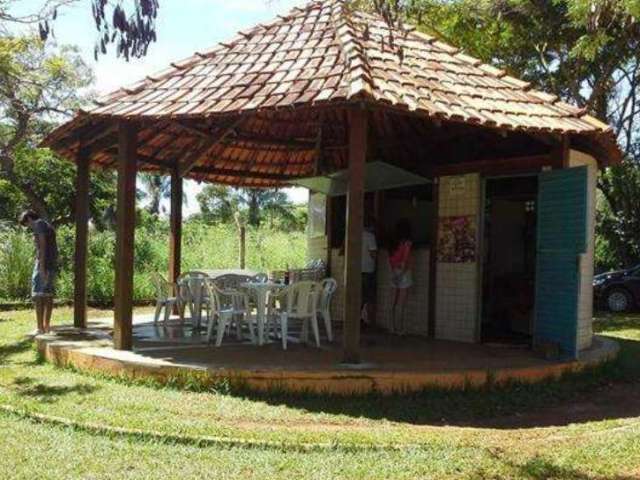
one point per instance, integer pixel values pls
(401, 281)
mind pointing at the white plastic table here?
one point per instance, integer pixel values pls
(197, 287)
(260, 291)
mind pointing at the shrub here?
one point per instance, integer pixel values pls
(16, 264)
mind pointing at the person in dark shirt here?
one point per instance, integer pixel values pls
(45, 269)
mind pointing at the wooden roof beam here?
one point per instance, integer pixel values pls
(187, 163)
(191, 129)
(222, 172)
(103, 143)
(273, 142)
(91, 135)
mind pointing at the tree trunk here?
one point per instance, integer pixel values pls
(243, 246)
(254, 210)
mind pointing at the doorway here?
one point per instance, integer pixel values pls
(509, 260)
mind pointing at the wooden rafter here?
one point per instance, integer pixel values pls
(191, 129)
(193, 157)
(214, 171)
(264, 141)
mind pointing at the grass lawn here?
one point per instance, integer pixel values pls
(582, 427)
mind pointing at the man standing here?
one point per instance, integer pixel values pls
(369, 254)
(45, 268)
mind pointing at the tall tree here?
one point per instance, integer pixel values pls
(156, 189)
(38, 86)
(219, 203)
(52, 180)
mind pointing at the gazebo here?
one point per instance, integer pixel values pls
(321, 89)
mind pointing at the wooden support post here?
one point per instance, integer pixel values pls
(433, 261)
(125, 231)
(353, 241)
(82, 233)
(175, 238)
(560, 153)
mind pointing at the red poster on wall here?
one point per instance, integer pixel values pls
(457, 239)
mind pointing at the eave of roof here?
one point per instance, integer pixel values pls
(324, 54)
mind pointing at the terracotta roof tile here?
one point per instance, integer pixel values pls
(321, 53)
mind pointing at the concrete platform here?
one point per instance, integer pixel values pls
(390, 363)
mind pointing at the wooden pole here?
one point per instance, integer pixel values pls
(560, 153)
(125, 231)
(433, 262)
(82, 233)
(175, 238)
(243, 246)
(353, 241)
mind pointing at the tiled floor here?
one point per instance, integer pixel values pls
(178, 342)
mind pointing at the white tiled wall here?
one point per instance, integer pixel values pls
(456, 312)
(585, 298)
(317, 248)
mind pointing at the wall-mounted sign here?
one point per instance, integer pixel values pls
(457, 185)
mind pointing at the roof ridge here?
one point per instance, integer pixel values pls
(356, 61)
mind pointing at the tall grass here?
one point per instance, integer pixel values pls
(16, 264)
(204, 247)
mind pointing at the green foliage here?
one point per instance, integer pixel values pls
(156, 189)
(38, 86)
(618, 223)
(16, 262)
(204, 247)
(252, 206)
(52, 180)
(267, 249)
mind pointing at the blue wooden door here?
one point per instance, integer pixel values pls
(562, 228)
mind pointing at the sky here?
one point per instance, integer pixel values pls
(183, 27)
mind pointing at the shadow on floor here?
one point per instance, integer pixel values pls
(27, 387)
(611, 391)
(15, 348)
(539, 468)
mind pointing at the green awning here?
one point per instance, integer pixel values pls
(378, 176)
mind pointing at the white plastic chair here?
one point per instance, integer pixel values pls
(193, 294)
(327, 288)
(166, 298)
(299, 302)
(224, 308)
(233, 282)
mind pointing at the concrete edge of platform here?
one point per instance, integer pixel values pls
(93, 353)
